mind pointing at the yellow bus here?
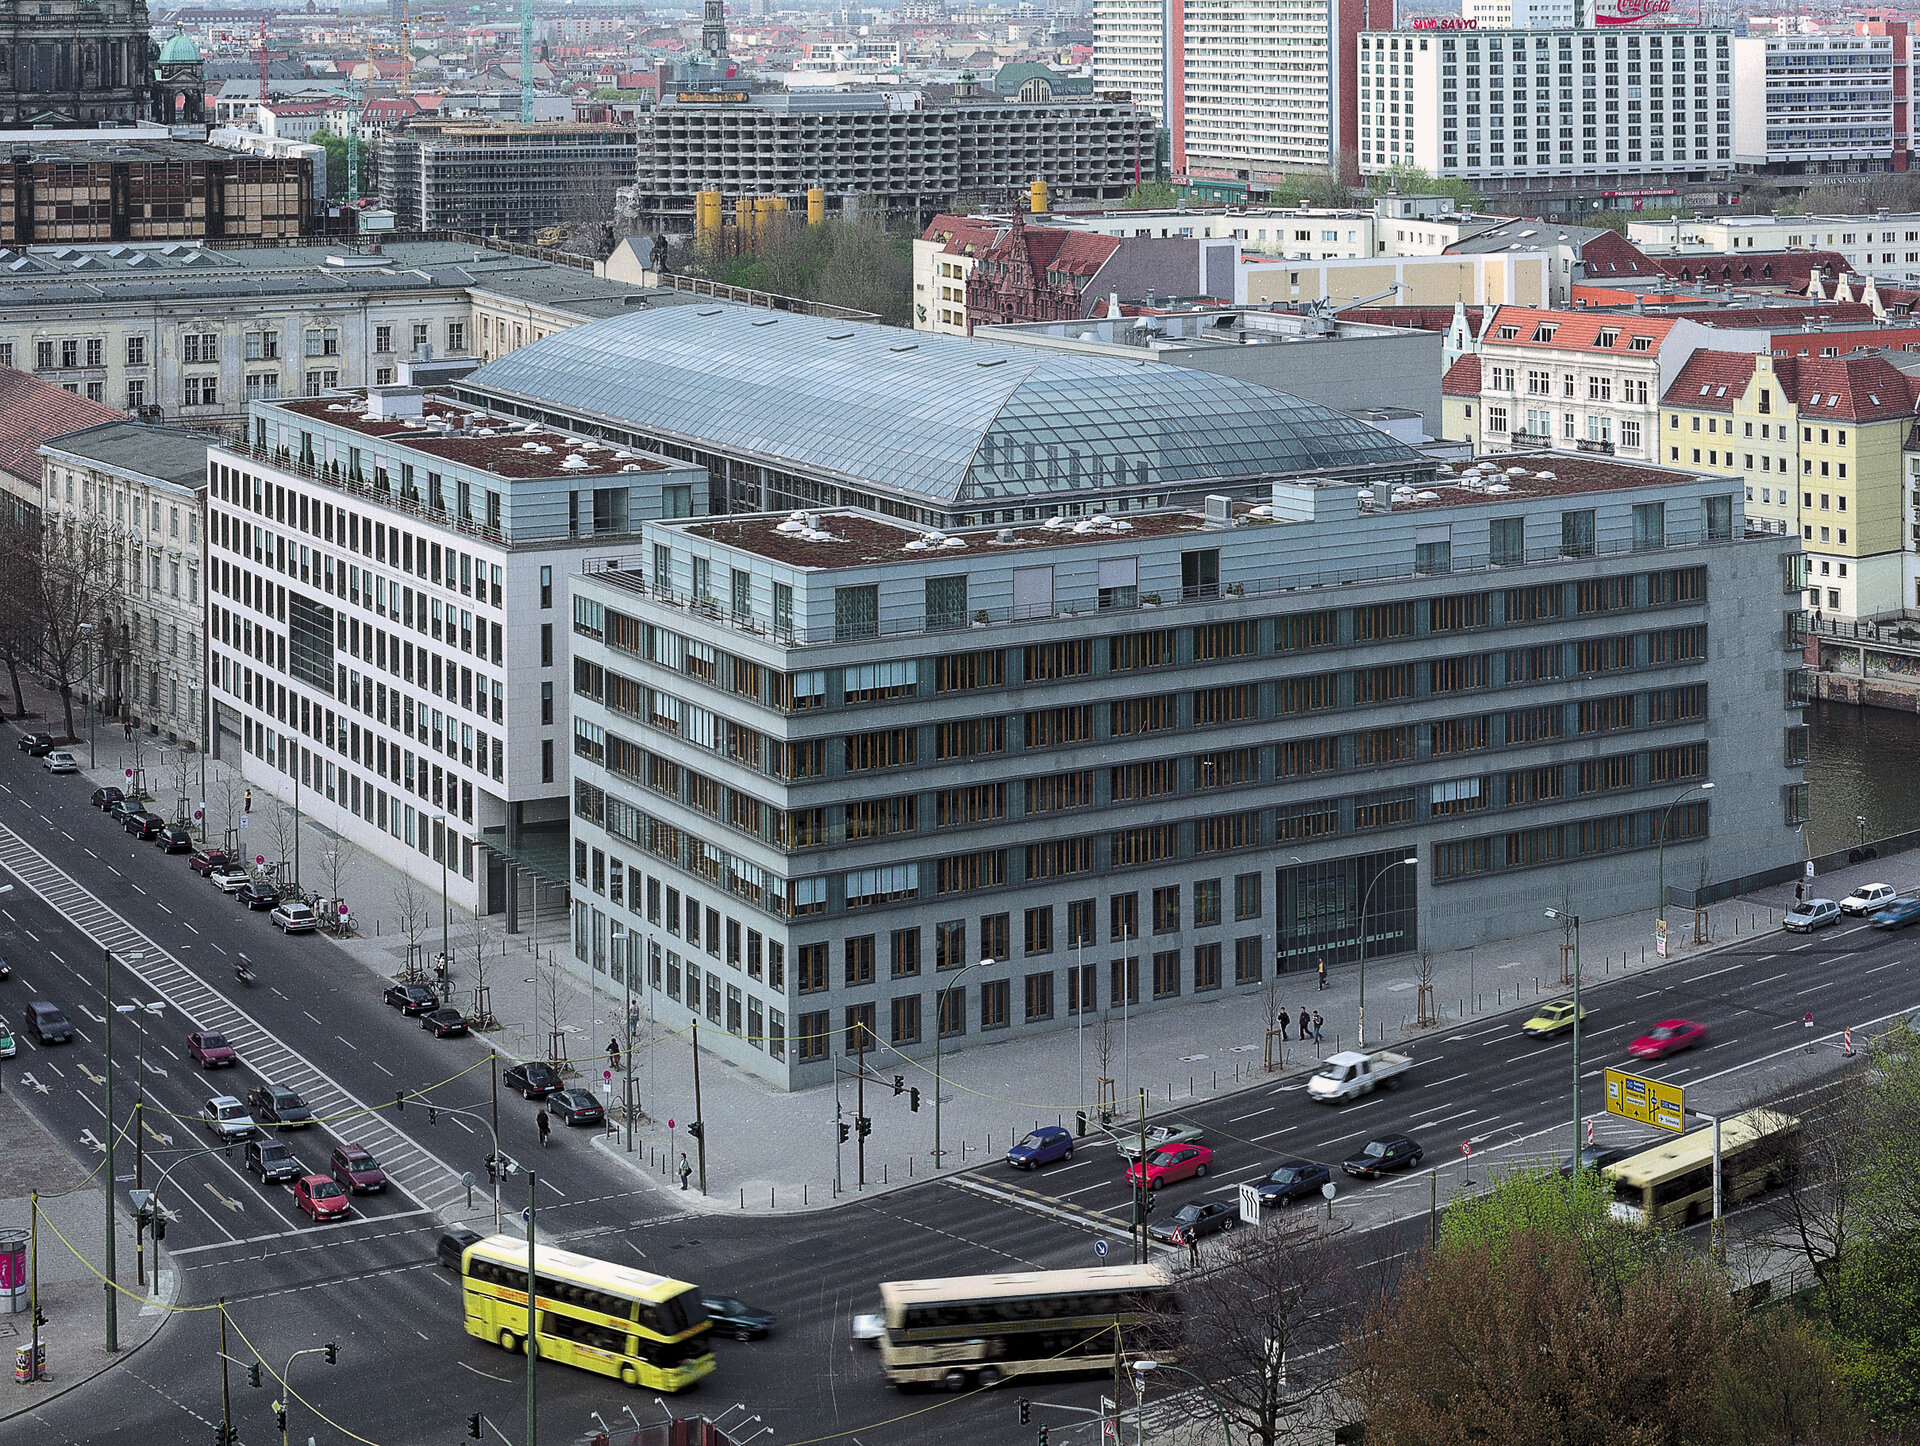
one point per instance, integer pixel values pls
(974, 1330)
(644, 1329)
(1672, 1182)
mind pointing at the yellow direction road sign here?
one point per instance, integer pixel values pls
(1650, 1101)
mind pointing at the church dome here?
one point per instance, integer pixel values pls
(179, 51)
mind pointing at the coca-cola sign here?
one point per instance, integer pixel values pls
(1628, 12)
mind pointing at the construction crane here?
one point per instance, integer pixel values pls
(263, 58)
(406, 52)
(526, 62)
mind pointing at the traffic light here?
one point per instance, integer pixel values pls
(400, 1100)
(864, 1125)
(1026, 1410)
(473, 1426)
(913, 1099)
(1043, 1436)
(899, 1083)
(280, 1415)
(159, 1225)
(433, 1115)
(333, 1353)
(696, 1130)
(841, 1126)
(253, 1375)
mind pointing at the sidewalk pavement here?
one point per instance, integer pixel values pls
(771, 1150)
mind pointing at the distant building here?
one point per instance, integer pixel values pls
(33, 412)
(66, 63)
(1819, 104)
(506, 179)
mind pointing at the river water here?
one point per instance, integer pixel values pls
(1866, 763)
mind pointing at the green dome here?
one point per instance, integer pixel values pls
(179, 51)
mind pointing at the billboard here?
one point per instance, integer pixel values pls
(1629, 12)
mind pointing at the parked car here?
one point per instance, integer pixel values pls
(1042, 1147)
(106, 797)
(445, 1022)
(122, 806)
(412, 999)
(142, 825)
(48, 1024)
(276, 1105)
(1201, 1218)
(7, 1046)
(60, 761)
(272, 1161)
(1897, 915)
(228, 878)
(1293, 1180)
(1170, 1166)
(257, 895)
(174, 839)
(293, 918)
(357, 1170)
(536, 1079)
(451, 1249)
(320, 1197)
(1669, 1036)
(205, 860)
(1378, 1157)
(227, 1117)
(36, 745)
(575, 1107)
(1810, 914)
(1158, 1137)
(736, 1318)
(1596, 1158)
(1551, 1019)
(1869, 899)
(211, 1051)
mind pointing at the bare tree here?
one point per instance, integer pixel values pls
(1425, 1016)
(481, 1015)
(335, 862)
(78, 561)
(548, 993)
(1820, 1212)
(282, 834)
(183, 769)
(410, 905)
(227, 794)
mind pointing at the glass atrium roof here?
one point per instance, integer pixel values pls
(944, 418)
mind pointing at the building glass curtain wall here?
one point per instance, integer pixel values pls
(1319, 906)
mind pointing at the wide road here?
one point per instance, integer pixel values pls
(408, 1373)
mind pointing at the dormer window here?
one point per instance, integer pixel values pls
(1508, 333)
(1607, 337)
(1639, 343)
(1544, 332)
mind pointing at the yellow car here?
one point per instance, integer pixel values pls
(1552, 1018)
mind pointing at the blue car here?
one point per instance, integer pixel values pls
(1042, 1147)
(1897, 915)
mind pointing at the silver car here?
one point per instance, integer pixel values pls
(294, 918)
(227, 1117)
(1159, 1137)
(60, 761)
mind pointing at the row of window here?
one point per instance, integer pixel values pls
(1552, 843)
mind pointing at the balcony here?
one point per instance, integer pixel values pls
(1590, 444)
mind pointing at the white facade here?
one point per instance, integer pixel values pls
(1260, 86)
(1884, 244)
(1547, 103)
(1519, 14)
(1812, 103)
(1129, 51)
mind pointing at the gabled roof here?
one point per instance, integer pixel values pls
(1577, 331)
(1848, 389)
(1463, 377)
(1610, 254)
(1779, 318)
(961, 235)
(1050, 248)
(1711, 381)
(33, 412)
(1788, 270)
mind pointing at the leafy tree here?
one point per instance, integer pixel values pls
(1151, 196)
(1875, 1316)
(1412, 181)
(336, 149)
(856, 265)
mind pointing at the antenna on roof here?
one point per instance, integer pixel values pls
(526, 62)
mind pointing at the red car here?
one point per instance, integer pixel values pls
(210, 1051)
(320, 1197)
(1176, 1162)
(205, 861)
(356, 1170)
(1669, 1037)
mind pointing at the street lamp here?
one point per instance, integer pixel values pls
(157, 1007)
(621, 937)
(93, 702)
(1366, 895)
(1144, 1368)
(113, 1290)
(1574, 919)
(1660, 903)
(939, 1034)
(446, 948)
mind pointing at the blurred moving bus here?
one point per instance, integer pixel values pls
(1671, 1183)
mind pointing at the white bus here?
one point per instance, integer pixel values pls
(977, 1329)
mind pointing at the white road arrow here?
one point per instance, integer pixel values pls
(29, 1079)
(87, 1139)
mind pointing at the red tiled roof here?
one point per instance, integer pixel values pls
(33, 412)
(1788, 269)
(1462, 378)
(1778, 318)
(1575, 330)
(961, 235)
(1711, 381)
(1419, 318)
(1611, 254)
(1847, 389)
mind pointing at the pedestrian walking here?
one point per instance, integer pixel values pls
(613, 1054)
(1193, 1249)
(546, 1125)
(686, 1170)
(1284, 1019)
(1323, 971)
(1317, 1022)
(1799, 892)
(633, 1019)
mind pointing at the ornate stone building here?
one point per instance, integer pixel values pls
(68, 63)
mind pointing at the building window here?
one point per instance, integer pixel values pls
(905, 1019)
(136, 352)
(1039, 997)
(995, 1000)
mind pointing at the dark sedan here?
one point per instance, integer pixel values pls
(1293, 1180)
(1596, 1157)
(1897, 915)
(575, 1107)
(1382, 1156)
(36, 745)
(142, 825)
(175, 839)
(1202, 1217)
(122, 806)
(735, 1317)
(411, 999)
(106, 797)
(445, 1021)
(276, 1105)
(256, 895)
(536, 1079)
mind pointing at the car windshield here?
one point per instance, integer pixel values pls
(723, 1305)
(232, 1112)
(213, 1041)
(272, 1152)
(1034, 1141)
(1191, 1212)
(361, 1162)
(286, 1099)
(1375, 1148)
(1163, 1157)
(1665, 1031)
(328, 1191)
(1285, 1177)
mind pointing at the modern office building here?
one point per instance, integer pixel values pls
(1165, 710)
(503, 179)
(1817, 104)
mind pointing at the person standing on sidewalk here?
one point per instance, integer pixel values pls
(1283, 1019)
(686, 1170)
(1193, 1249)
(1317, 1022)
(1322, 965)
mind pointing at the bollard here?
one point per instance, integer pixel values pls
(1216, 1079)
(769, 1197)
(910, 1167)
(883, 1174)
(743, 1197)
(1189, 1087)
(803, 1194)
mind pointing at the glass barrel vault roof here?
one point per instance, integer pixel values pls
(946, 418)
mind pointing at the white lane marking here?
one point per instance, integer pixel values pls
(1236, 1119)
(1702, 978)
(1448, 1080)
(1894, 965)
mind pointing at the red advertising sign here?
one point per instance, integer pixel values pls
(1442, 22)
(1628, 12)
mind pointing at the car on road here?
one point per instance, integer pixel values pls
(1293, 1180)
(575, 1107)
(1596, 1158)
(733, 1317)
(1200, 1218)
(60, 761)
(211, 1051)
(277, 1105)
(1042, 1147)
(48, 1024)
(1810, 914)
(451, 1249)
(106, 797)
(1551, 1019)
(869, 1327)
(227, 1117)
(536, 1079)
(1170, 1166)
(36, 745)
(413, 999)
(1158, 1137)
(293, 917)
(142, 824)
(228, 878)
(1869, 899)
(357, 1170)
(122, 806)
(321, 1197)
(445, 1022)
(1669, 1036)
(1897, 915)
(1352, 1073)
(174, 839)
(1378, 1157)
(205, 861)
(272, 1161)
(7, 1046)
(256, 894)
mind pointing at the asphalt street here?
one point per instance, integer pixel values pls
(408, 1373)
